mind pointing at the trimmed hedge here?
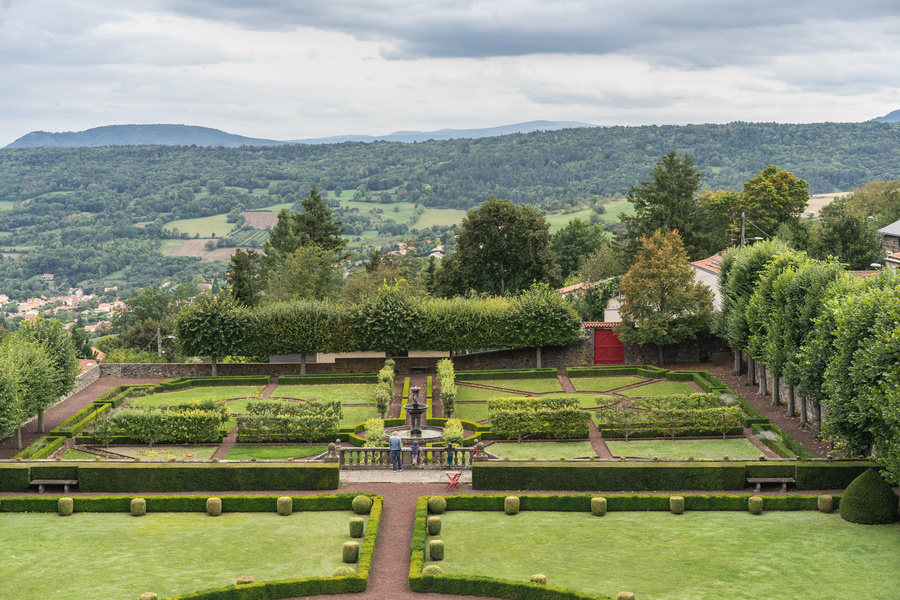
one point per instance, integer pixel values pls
(14, 477)
(187, 382)
(312, 379)
(80, 420)
(794, 447)
(506, 374)
(190, 477)
(42, 448)
(610, 371)
(660, 476)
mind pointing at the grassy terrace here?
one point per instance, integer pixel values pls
(693, 556)
(115, 555)
(541, 450)
(345, 393)
(665, 449)
(534, 386)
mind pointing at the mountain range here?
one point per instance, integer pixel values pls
(192, 135)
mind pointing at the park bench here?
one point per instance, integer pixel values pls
(759, 481)
(65, 483)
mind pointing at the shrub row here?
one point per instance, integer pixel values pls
(447, 378)
(645, 430)
(793, 447)
(640, 370)
(506, 374)
(321, 379)
(659, 476)
(82, 419)
(42, 447)
(187, 382)
(523, 417)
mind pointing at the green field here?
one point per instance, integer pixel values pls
(204, 226)
(615, 210)
(559, 220)
(542, 450)
(666, 449)
(115, 555)
(603, 384)
(6, 205)
(443, 217)
(345, 393)
(274, 452)
(791, 555)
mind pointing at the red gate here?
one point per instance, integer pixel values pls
(608, 350)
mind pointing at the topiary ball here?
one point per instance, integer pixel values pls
(825, 503)
(214, 507)
(434, 525)
(357, 527)
(511, 505)
(344, 572)
(755, 505)
(436, 550)
(138, 507)
(869, 500)
(676, 504)
(65, 507)
(539, 579)
(437, 505)
(362, 505)
(432, 570)
(598, 506)
(285, 506)
(350, 552)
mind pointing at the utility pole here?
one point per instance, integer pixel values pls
(743, 222)
(158, 342)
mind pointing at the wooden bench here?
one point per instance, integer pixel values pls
(758, 481)
(65, 483)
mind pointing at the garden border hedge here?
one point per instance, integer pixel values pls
(506, 374)
(313, 379)
(182, 383)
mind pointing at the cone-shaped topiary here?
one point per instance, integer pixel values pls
(826, 503)
(138, 507)
(436, 550)
(755, 505)
(434, 525)
(357, 527)
(362, 505)
(539, 579)
(511, 505)
(214, 507)
(869, 500)
(285, 506)
(65, 507)
(245, 580)
(350, 552)
(598, 506)
(432, 570)
(344, 572)
(437, 505)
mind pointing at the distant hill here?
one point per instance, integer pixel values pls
(448, 134)
(891, 117)
(138, 135)
(190, 135)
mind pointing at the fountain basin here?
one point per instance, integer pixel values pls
(429, 434)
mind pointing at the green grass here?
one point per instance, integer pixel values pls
(584, 400)
(736, 448)
(615, 210)
(603, 384)
(527, 450)
(694, 556)
(204, 226)
(443, 217)
(274, 452)
(169, 245)
(115, 555)
(470, 412)
(78, 455)
(215, 393)
(558, 220)
(354, 415)
(6, 205)
(345, 393)
(535, 386)
(660, 388)
(165, 452)
(465, 393)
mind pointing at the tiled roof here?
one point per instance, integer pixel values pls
(711, 264)
(600, 324)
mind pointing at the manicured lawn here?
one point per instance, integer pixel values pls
(736, 448)
(115, 555)
(345, 393)
(465, 393)
(274, 452)
(535, 386)
(790, 555)
(542, 450)
(353, 415)
(239, 407)
(164, 452)
(205, 393)
(470, 412)
(602, 384)
(660, 388)
(79, 455)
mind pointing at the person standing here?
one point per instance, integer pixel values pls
(449, 454)
(396, 446)
(415, 452)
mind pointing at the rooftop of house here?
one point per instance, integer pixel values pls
(892, 229)
(710, 265)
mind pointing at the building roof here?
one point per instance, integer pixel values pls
(600, 324)
(710, 265)
(863, 274)
(892, 229)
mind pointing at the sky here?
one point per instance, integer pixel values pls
(292, 69)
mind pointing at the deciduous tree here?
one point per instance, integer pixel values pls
(773, 197)
(212, 326)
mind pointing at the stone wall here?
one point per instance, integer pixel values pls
(694, 351)
(581, 353)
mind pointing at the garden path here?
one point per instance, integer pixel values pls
(229, 441)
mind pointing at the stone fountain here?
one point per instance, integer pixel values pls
(415, 430)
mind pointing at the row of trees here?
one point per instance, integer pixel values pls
(829, 334)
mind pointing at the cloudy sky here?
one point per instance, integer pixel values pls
(288, 69)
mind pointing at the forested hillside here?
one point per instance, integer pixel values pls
(84, 213)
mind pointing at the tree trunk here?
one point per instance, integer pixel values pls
(763, 384)
(213, 366)
(792, 402)
(738, 363)
(40, 421)
(817, 415)
(17, 444)
(662, 361)
(303, 364)
(776, 391)
(804, 418)
(538, 357)
(751, 371)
